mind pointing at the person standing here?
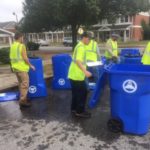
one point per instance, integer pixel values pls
(92, 50)
(77, 74)
(93, 55)
(20, 65)
(111, 52)
(146, 56)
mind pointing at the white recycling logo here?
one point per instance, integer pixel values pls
(32, 89)
(129, 86)
(61, 81)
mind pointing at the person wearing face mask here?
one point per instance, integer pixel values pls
(77, 74)
(20, 65)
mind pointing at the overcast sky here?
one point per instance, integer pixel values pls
(7, 7)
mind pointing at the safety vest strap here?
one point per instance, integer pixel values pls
(92, 50)
(75, 55)
(18, 58)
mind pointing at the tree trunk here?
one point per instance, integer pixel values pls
(74, 35)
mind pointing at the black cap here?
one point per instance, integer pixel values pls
(115, 35)
(85, 34)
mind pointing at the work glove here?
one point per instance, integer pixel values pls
(115, 59)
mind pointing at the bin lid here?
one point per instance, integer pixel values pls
(135, 69)
(130, 52)
(9, 96)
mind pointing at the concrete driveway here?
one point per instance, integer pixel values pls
(48, 125)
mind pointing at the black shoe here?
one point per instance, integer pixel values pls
(83, 115)
(25, 104)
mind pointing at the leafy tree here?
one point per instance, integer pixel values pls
(47, 15)
(146, 30)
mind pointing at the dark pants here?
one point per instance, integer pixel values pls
(79, 95)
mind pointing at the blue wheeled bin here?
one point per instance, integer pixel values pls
(37, 86)
(130, 52)
(61, 64)
(131, 60)
(130, 97)
(130, 56)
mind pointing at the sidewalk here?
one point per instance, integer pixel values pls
(9, 80)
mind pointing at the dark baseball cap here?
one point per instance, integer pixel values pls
(85, 34)
(115, 35)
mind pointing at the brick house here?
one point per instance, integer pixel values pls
(128, 27)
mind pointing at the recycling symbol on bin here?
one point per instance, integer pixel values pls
(61, 82)
(129, 86)
(32, 89)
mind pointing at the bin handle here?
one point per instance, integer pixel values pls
(107, 67)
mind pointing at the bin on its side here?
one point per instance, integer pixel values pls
(37, 86)
(130, 97)
(61, 64)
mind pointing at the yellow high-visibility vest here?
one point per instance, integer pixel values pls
(114, 49)
(146, 55)
(75, 73)
(17, 62)
(92, 51)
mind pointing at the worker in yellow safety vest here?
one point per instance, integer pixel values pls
(77, 74)
(20, 66)
(111, 52)
(146, 55)
(92, 50)
(93, 55)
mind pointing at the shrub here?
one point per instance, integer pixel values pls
(31, 46)
(146, 30)
(4, 56)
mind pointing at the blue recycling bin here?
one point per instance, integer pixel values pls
(9, 96)
(130, 56)
(130, 52)
(61, 64)
(130, 60)
(37, 86)
(130, 97)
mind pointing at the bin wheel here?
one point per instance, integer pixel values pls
(115, 125)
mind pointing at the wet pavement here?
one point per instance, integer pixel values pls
(49, 125)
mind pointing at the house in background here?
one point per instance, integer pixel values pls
(128, 27)
(7, 30)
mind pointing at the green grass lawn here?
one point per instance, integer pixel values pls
(129, 44)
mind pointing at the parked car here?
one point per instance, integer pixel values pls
(67, 41)
(43, 42)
